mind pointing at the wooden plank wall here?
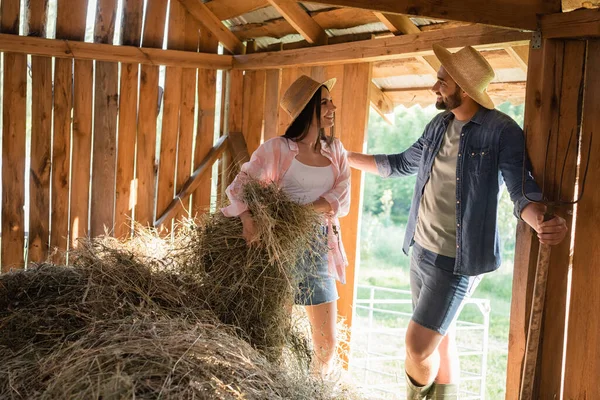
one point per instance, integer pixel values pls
(94, 128)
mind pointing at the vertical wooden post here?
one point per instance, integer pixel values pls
(170, 120)
(207, 95)
(156, 11)
(354, 114)
(82, 131)
(553, 95)
(582, 364)
(128, 106)
(41, 137)
(555, 312)
(13, 145)
(105, 126)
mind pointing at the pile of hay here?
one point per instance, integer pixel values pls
(200, 316)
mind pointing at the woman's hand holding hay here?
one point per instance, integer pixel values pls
(322, 206)
(249, 231)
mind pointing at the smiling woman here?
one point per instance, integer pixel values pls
(311, 167)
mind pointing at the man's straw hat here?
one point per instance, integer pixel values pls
(469, 70)
(300, 92)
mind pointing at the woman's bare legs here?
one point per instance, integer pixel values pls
(323, 318)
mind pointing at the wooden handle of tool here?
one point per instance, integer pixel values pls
(535, 322)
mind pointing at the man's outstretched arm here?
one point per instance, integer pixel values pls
(363, 162)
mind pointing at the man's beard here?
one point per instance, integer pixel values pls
(451, 102)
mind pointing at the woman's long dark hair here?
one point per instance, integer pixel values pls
(298, 129)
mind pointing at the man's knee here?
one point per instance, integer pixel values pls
(421, 343)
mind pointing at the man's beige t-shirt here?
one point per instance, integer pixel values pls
(436, 223)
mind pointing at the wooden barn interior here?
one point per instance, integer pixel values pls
(132, 103)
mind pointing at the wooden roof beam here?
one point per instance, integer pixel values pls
(574, 24)
(402, 25)
(301, 21)
(211, 22)
(496, 13)
(479, 36)
(108, 52)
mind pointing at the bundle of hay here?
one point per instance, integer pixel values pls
(253, 287)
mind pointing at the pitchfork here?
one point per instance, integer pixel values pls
(543, 261)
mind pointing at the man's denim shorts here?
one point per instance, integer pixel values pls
(437, 293)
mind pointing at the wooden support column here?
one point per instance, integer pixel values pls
(170, 118)
(354, 115)
(13, 145)
(582, 366)
(41, 136)
(570, 86)
(207, 95)
(148, 112)
(539, 118)
(553, 94)
(128, 105)
(106, 104)
(83, 90)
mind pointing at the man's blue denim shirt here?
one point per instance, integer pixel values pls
(490, 153)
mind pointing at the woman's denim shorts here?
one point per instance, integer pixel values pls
(315, 283)
(437, 293)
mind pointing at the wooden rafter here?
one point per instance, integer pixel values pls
(227, 9)
(337, 18)
(300, 20)
(482, 37)
(107, 52)
(520, 54)
(211, 22)
(497, 13)
(402, 25)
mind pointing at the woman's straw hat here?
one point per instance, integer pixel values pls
(300, 92)
(469, 70)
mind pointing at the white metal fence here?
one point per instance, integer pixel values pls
(378, 330)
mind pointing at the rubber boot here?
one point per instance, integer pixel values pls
(443, 392)
(414, 392)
